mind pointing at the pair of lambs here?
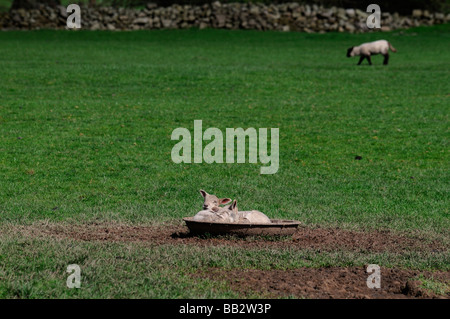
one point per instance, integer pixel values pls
(212, 212)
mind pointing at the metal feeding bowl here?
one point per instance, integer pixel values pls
(277, 227)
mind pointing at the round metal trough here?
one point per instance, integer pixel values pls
(277, 227)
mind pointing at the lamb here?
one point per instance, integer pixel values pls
(230, 212)
(254, 217)
(211, 216)
(246, 217)
(211, 210)
(212, 202)
(366, 50)
(226, 214)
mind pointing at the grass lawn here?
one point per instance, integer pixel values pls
(85, 136)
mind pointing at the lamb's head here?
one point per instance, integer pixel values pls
(233, 207)
(229, 213)
(212, 202)
(350, 52)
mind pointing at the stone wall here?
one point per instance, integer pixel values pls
(257, 16)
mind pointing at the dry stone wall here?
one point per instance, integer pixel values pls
(283, 17)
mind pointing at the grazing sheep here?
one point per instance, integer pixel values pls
(366, 50)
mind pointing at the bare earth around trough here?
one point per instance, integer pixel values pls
(325, 282)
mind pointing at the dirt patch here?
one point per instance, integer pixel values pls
(331, 282)
(325, 283)
(326, 239)
(375, 241)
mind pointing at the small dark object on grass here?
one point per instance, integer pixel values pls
(357, 157)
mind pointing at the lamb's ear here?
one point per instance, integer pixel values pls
(233, 206)
(203, 193)
(223, 201)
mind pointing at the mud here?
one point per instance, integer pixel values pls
(328, 283)
(326, 239)
(331, 282)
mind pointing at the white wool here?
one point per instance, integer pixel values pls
(254, 217)
(371, 48)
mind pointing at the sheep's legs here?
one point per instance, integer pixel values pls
(365, 57)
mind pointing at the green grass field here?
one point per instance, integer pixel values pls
(85, 126)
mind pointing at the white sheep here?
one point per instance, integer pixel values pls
(212, 212)
(232, 213)
(212, 202)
